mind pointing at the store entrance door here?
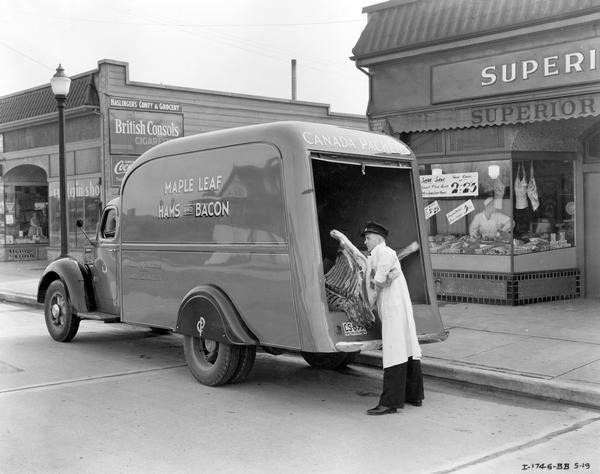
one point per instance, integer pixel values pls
(591, 219)
(24, 213)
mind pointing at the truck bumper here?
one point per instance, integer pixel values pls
(356, 346)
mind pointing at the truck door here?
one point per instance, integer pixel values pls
(104, 266)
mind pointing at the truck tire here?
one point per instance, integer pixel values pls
(212, 363)
(159, 331)
(329, 360)
(62, 324)
(245, 364)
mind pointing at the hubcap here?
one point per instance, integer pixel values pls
(209, 350)
(56, 310)
(210, 345)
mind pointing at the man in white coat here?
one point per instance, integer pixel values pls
(402, 376)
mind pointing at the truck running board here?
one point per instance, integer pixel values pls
(98, 316)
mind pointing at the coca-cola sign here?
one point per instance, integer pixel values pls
(119, 165)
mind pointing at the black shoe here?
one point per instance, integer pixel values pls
(381, 410)
(417, 403)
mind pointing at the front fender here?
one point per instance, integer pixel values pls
(207, 312)
(76, 279)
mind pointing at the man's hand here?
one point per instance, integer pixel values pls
(392, 275)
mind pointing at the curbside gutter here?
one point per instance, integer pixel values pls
(577, 393)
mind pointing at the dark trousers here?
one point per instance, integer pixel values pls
(402, 383)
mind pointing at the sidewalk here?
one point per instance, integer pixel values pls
(548, 350)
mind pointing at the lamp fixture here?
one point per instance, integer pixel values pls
(60, 83)
(493, 171)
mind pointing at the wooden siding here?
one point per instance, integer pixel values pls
(211, 110)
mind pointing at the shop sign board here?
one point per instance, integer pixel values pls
(450, 185)
(119, 164)
(143, 104)
(459, 212)
(586, 105)
(533, 69)
(133, 132)
(21, 253)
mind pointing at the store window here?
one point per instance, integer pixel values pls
(83, 202)
(25, 214)
(544, 205)
(458, 196)
(501, 207)
(83, 195)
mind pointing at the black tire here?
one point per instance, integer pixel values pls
(329, 360)
(245, 364)
(62, 324)
(160, 331)
(212, 363)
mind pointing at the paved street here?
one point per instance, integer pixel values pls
(120, 399)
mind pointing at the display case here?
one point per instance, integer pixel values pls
(502, 231)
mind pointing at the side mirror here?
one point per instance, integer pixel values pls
(79, 223)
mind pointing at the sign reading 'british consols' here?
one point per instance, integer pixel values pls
(133, 132)
(538, 68)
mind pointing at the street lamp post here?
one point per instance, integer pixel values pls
(60, 84)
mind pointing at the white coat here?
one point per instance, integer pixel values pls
(394, 308)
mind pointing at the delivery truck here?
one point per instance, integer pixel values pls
(224, 238)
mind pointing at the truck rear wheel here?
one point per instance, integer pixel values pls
(329, 360)
(62, 324)
(245, 364)
(211, 363)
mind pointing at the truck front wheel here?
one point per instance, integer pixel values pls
(62, 324)
(211, 363)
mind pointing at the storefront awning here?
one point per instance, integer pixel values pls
(398, 25)
(579, 106)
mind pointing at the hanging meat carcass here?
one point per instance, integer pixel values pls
(347, 282)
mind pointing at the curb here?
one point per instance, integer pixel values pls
(20, 298)
(580, 394)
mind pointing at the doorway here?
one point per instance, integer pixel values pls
(591, 214)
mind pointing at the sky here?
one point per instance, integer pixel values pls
(235, 46)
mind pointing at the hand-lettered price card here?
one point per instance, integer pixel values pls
(432, 209)
(459, 212)
(450, 185)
